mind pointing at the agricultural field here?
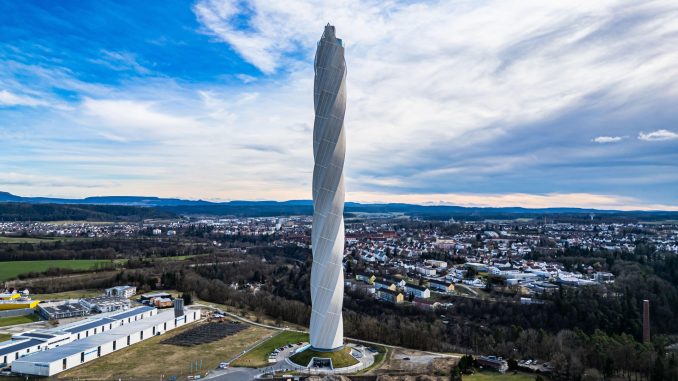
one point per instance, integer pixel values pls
(9, 270)
(258, 356)
(151, 358)
(14, 320)
(14, 239)
(7, 239)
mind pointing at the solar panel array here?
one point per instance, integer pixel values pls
(205, 333)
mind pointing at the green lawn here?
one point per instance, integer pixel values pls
(496, 376)
(340, 359)
(11, 269)
(14, 320)
(5, 337)
(259, 356)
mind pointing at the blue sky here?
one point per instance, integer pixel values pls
(491, 103)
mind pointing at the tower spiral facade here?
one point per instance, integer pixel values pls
(327, 236)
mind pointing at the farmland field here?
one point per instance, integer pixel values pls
(13, 239)
(11, 269)
(7, 239)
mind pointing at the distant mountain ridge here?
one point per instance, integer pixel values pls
(152, 201)
(305, 207)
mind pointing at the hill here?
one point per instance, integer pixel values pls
(21, 211)
(106, 207)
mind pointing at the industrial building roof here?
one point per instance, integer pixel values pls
(20, 344)
(131, 312)
(94, 341)
(90, 325)
(39, 335)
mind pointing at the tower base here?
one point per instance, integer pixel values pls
(325, 359)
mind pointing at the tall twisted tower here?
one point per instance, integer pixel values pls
(327, 237)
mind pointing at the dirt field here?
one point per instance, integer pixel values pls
(400, 361)
(150, 359)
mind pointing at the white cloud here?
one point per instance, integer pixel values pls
(550, 200)
(124, 120)
(433, 87)
(607, 139)
(10, 99)
(120, 61)
(425, 74)
(658, 135)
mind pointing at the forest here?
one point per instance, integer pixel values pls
(575, 329)
(14, 211)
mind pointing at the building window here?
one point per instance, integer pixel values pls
(87, 334)
(164, 327)
(153, 331)
(114, 344)
(110, 326)
(141, 335)
(63, 364)
(99, 351)
(82, 357)
(95, 331)
(127, 340)
(78, 336)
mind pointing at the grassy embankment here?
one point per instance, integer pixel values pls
(340, 358)
(496, 376)
(14, 320)
(258, 356)
(150, 359)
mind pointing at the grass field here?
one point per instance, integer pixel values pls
(12, 239)
(14, 320)
(496, 376)
(6, 239)
(150, 359)
(258, 357)
(11, 269)
(5, 336)
(340, 358)
(77, 294)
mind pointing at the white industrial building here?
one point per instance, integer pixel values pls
(29, 342)
(106, 303)
(119, 333)
(121, 291)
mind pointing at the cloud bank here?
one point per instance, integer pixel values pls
(444, 98)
